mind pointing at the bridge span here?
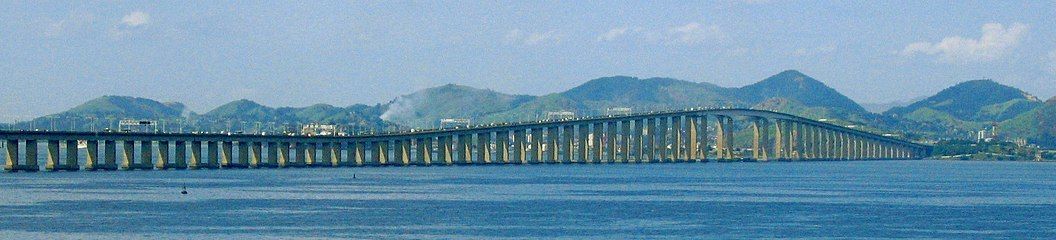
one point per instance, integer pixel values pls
(653, 137)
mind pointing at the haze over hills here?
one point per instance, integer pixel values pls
(953, 112)
(881, 107)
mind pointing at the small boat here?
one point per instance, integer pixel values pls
(184, 192)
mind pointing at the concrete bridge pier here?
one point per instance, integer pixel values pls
(761, 139)
(256, 153)
(535, 145)
(335, 150)
(566, 146)
(704, 146)
(484, 148)
(724, 138)
(447, 151)
(648, 149)
(610, 148)
(624, 145)
(29, 164)
(310, 151)
(636, 141)
(272, 161)
(359, 151)
(582, 141)
(380, 153)
(424, 151)
(56, 162)
(465, 149)
(300, 158)
(663, 147)
(678, 138)
(163, 156)
(403, 152)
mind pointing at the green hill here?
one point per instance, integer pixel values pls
(125, 107)
(1037, 126)
(796, 86)
(424, 108)
(975, 101)
(246, 111)
(811, 97)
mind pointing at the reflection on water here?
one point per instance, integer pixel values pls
(889, 199)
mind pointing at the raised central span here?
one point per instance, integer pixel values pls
(691, 135)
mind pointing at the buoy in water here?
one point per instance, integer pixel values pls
(184, 190)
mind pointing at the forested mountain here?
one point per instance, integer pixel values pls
(951, 113)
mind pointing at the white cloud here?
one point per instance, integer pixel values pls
(612, 34)
(694, 33)
(690, 34)
(995, 42)
(74, 22)
(135, 18)
(516, 36)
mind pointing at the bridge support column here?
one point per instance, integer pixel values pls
(212, 155)
(311, 159)
(663, 146)
(243, 154)
(446, 152)
(808, 141)
(465, 148)
(53, 156)
(483, 148)
(705, 146)
(91, 158)
(820, 143)
(502, 146)
(163, 156)
(179, 159)
(326, 155)
(403, 155)
(336, 158)
(519, 147)
(553, 139)
(537, 145)
(425, 151)
(611, 148)
(226, 155)
(692, 138)
(383, 152)
(596, 146)
(359, 151)
(760, 140)
(69, 163)
(677, 140)
(724, 131)
(625, 140)
(568, 144)
(196, 156)
(256, 154)
(583, 131)
(128, 152)
(146, 153)
(31, 156)
(779, 139)
(283, 154)
(634, 141)
(29, 163)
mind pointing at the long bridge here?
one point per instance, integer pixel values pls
(669, 136)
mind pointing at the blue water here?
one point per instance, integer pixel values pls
(877, 199)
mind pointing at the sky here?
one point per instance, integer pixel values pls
(55, 55)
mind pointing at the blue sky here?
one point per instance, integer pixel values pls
(55, 55)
